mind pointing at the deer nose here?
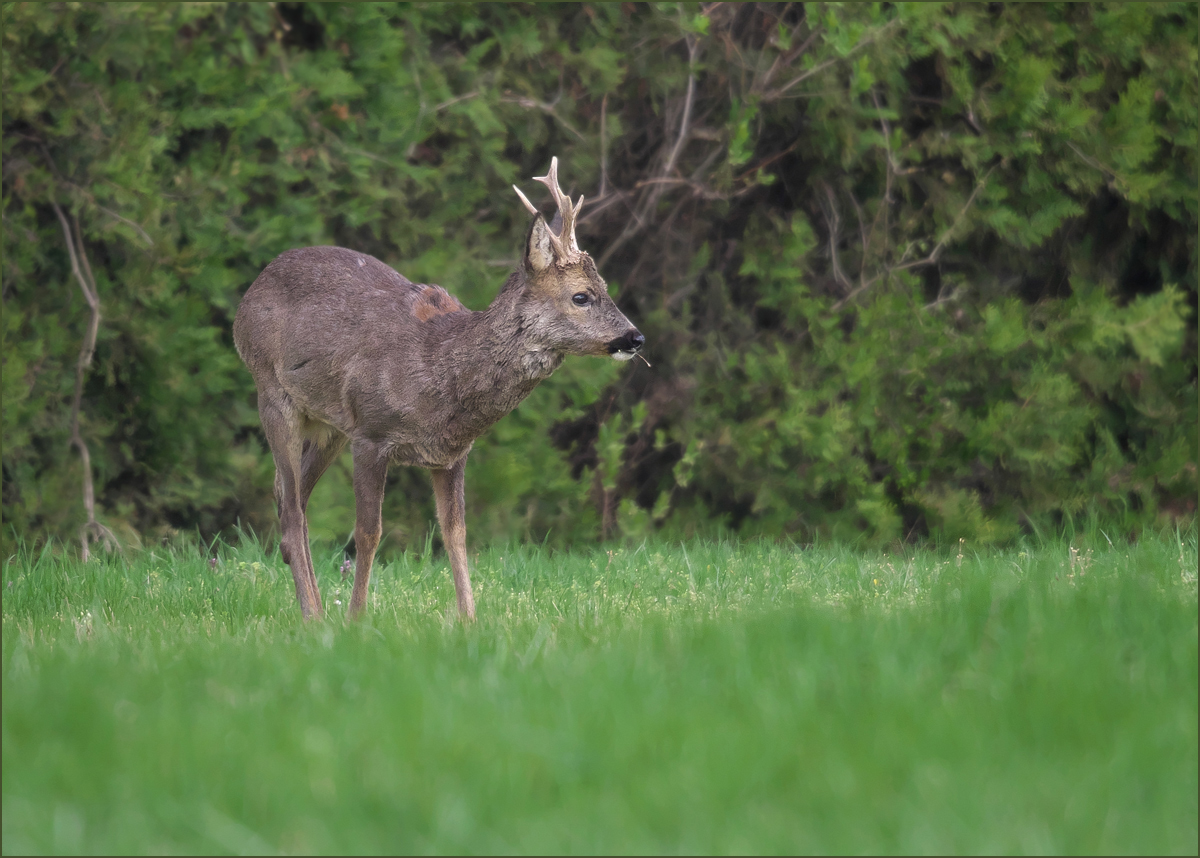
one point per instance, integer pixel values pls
(627, 343)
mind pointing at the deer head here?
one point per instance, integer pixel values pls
(572, 313)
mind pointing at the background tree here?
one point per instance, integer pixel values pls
(904, 269)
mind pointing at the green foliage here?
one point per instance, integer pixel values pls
(706, 697)
(904, 270)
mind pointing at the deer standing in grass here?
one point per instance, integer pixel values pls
(344, 349)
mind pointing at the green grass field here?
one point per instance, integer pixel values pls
(713, 697)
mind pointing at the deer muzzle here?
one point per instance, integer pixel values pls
(627, 345)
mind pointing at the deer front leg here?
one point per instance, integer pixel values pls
(370, 475)
(449, 487)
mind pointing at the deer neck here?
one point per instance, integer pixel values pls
(496, 358)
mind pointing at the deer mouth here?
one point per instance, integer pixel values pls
(626, 346)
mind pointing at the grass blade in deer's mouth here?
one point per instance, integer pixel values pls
(625, 347)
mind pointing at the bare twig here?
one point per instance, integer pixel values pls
(92, 529)
(885, 206)
(786, 59)
(345, 147)
(908, 248)
(862, 288)
(942, 297)
(422, 108)
(632, 227)
(937, 250)
(973, 122)
(603, 146)
(661, 180)
(768, 161)
(715, 153)
(698, 189)
(867, 39)
(91, 198)
(819, 67)
(833, 221)
(284, 25)
(448, 102)
(545, 107)
(862, 235)
(1093, 163)
(599, 204)
(687, 107)
(136, 227)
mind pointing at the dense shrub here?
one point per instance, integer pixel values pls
(903, 269)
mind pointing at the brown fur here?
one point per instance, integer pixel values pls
(343, 349)
(435, 301)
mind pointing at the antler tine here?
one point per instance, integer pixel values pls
(574, 217)
(533, 211)
(550, 180)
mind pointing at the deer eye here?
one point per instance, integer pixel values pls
(581, 298)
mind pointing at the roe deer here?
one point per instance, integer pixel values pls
(343, 348)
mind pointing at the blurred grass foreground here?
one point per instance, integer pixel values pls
(699, 697)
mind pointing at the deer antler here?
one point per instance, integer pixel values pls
(568, 211)
(565, 245)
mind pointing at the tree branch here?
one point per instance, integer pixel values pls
(650, 199)
(92, 529)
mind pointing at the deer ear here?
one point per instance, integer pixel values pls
(539, 252)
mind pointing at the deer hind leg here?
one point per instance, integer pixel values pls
(449, 488)
(370, 475)
(316, 457)
(281, 426)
